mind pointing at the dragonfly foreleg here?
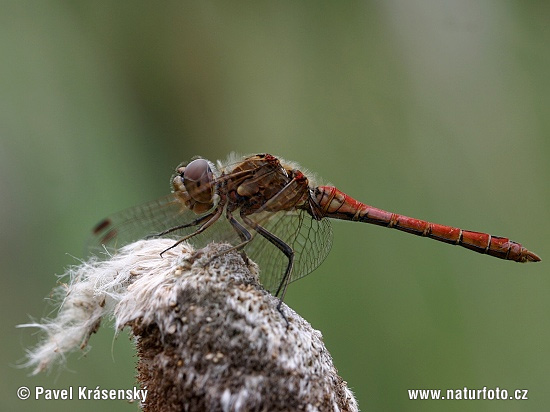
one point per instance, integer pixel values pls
(195, 222)
(204, 221)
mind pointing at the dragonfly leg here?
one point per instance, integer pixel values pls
(240, 229)
(195, 222)
(206, 220)
(243, 234)
(288, 252)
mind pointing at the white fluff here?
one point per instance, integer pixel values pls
(95, 289)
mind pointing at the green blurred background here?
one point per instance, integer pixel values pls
(437, 110)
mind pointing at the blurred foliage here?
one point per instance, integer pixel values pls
(437, 110)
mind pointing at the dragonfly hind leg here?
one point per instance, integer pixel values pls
(288, 252)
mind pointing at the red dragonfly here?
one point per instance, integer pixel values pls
(267, 196)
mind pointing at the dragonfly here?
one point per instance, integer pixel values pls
(274, 213)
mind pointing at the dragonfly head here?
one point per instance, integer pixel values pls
(197, 180)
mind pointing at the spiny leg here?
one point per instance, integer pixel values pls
(244, 235)
(208, 221)
(289, 253)
(240, 229)
(195, 222)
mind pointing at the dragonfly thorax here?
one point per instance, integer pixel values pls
(262, 184)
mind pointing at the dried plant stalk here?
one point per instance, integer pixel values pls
(208, 336)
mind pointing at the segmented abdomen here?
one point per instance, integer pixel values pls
(337, 205)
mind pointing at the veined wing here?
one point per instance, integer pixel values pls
(310, 239)
(158, 216)
(151, 218)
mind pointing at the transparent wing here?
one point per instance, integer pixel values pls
(152, 218)
(310, 239)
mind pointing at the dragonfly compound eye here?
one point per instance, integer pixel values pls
(199, 180)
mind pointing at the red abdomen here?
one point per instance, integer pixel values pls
(337, 205)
